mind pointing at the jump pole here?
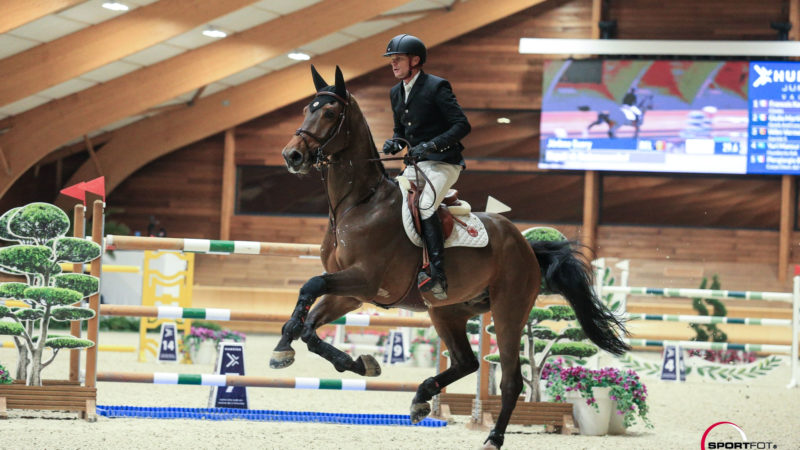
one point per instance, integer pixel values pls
(794, 322)
(227, 315)
(211, 246)
(254, 381)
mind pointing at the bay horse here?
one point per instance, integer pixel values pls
(369, 259)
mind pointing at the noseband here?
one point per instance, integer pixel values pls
(320, 157)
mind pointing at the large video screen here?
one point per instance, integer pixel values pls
(733, 117)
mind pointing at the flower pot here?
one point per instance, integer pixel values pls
(616, 424)
(592, 421)
(423, 355)
(205, 353)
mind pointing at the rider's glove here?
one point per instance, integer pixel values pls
(421, 150)
(390, 147)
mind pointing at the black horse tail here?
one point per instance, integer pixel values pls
(566, 272)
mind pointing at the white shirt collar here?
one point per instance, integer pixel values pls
(409, 85)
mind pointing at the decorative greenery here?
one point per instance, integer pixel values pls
(638, 365)
(541, 340)
(109, 323)
(608, 280)
(5, 376)
(543, 234)
(627, 389)
(197, 335)
(705, 331)
(728, 372)
(39, 230)
(713, 371)
(423, 336)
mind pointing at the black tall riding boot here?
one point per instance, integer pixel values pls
(434, 242)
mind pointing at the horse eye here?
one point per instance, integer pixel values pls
(329, 114)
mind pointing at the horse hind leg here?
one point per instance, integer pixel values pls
(327, 310)
(452, 330)
(510, 309)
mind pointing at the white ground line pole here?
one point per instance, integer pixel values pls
(625, 268)
(795, 327)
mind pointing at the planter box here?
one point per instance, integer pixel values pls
(53, 396)
(558, 416)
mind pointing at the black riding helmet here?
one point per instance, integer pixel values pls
(407, 44)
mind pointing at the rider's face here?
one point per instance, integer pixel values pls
(401, 66)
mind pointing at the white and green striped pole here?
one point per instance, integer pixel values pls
(228, 315)
(254, 381)
(710, 319)
(211, 246)
(706, 293)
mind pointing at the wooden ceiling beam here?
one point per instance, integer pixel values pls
(40, 130)
(57, 61)
(19, 12)
(139, 143)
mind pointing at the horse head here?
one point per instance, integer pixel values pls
(322, 133)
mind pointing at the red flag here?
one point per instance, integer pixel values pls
(96, 186)
(76, 191)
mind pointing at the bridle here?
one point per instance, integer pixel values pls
(321, 159)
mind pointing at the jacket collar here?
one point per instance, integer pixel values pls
(414, 89)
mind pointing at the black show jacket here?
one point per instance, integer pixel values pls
(432, 114)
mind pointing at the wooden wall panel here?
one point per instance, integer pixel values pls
(182, 191)
(688, 200)
(688, 19)
(491, 78)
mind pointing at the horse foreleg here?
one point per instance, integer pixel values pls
(350, 283)
(452, 329)
(283, 354)
(327, 310)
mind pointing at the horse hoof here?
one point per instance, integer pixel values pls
(371, 366)
(281, 359)
(419, 411)
(489, 446)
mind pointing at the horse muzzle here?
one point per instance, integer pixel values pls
(296, 160)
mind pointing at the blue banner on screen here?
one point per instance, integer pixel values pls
(731, 117)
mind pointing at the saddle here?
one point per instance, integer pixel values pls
(447, 211)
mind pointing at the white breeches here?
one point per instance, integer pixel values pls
(441, 175)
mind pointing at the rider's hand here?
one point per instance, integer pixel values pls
(421, 150)
(391, 147)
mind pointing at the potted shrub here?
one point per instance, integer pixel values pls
(200, 344)
(39, 230)
(616, 397)
(540, 342)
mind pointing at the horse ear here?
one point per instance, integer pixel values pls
(340, 90)
(319, 82)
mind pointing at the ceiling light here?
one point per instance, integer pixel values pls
(115, 6)
(503, 120)
(214, 33)
(299, 56)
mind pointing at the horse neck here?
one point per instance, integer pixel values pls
(352, 177)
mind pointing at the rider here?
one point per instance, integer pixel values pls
(428, 117)
(629, 102)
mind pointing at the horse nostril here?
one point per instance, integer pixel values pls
(295, 157)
